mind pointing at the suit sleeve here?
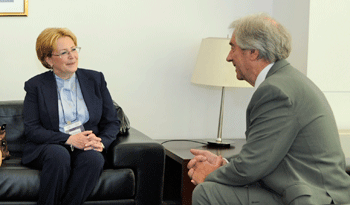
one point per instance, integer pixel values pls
(270, 133)
(36, 119)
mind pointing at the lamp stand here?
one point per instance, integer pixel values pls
(218, 142)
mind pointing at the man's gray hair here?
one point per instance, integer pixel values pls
(262, 32)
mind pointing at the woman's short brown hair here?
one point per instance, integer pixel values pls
(47, 42)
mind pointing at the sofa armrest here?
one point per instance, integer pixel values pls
(146, 157)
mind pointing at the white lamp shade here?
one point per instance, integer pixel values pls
(212, 67)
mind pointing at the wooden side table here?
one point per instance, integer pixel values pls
(177, 185)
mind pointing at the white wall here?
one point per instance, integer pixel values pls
(320, 47)
(147, 51)
(294, 15)
(329, 49)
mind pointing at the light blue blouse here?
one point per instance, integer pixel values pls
(71, 104)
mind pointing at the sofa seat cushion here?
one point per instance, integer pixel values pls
(20, 182)
(114, 184)
(17, 181)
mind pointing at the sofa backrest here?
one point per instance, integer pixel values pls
(11, 114)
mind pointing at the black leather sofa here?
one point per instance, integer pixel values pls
(135, 176)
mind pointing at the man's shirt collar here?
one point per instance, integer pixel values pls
(262, 75)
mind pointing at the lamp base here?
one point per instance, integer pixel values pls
(217, 144)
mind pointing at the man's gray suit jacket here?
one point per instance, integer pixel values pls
(293, 145)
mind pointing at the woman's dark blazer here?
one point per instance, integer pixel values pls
(41, 121)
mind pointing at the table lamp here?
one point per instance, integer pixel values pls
(212, 69)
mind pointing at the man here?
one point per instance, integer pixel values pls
(293, 153)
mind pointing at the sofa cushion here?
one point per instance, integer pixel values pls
(114, 184)
(17, 181)
(20, 182)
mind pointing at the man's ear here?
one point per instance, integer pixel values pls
(254, 54)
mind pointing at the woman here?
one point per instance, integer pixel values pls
(69, 121)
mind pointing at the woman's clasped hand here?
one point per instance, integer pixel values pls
(86, 140)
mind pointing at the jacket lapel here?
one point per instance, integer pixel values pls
(277, 66)
(51, 99)
(88, 91)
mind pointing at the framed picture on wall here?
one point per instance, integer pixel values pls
(13, 7)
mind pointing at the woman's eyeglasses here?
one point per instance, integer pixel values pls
(66, 53)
